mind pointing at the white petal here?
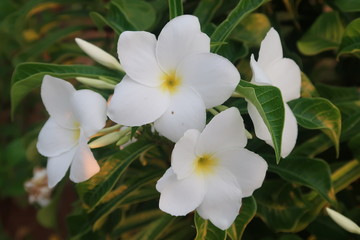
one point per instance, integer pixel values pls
(136, 52)
(58, 166)
(222, 200)
(258, 74)
(179, 197)
(225, 130)
(56, 95)
(183, 156)
(98, 54)
(270, 49)
(84, 165)
(134, 104)
(179, 38)
(248, 168)
(290, 130)
(343, 221)
(90, 111)
(54, 139)
(212, 76)
(186, 111)
(285, 74)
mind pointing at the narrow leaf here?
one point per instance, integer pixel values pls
(157, 228)
(206, 9)
(350, 43)
(205, 230)
(175, 8)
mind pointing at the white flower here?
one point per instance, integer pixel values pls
(212, 171)
(99, 55)
(38, 189)
(343, 221)
(74, 117)
(272, 69)
(170, 81)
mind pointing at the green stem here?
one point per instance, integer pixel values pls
(175, 8)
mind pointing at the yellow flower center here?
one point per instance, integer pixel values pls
(170, 82)
(205, 164)
(76, 130)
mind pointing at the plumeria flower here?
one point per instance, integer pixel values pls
(74, 117)
(170, 81)
(272, 69)
(212, 171)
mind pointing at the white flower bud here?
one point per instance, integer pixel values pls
(343, 221)
(96, 83)
(106, 139)
(99, 55)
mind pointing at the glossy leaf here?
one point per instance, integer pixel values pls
(28, 76)
(307, 88)
(247, 213)
(348, 5)
(325, 34)
(95, 189)
(350, 43)
(268, 101)
(175, 8)
(205, 230)
(318, 113)
(338, 94)
(206, 10)
(157, 228)
(242, 9)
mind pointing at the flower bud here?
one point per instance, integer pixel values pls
(96, 83)
(99, 55)
(343, 221)
(106, 139)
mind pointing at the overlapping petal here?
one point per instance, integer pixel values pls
(179, 38)
(134, 104)
(136, 52)
(270, 49)
(84, 165)
(225, 130)
(222, 200)
(183, 155)
(179, 197)
(56, 95)
(54, 139)
(261, 130)
(259, 75)
(212, 76)
(57, 166)
(90, 111)
(248, 168)
(186, 111)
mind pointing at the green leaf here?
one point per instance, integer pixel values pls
(247, 213)
(28, 76)
(338, 94)
(307, 88)
(325, 34)
(348, 5)
(206, 10)
(268, 101)
(313, 173)
(242, 9)
(95, 189)
(318, 113)
(205, 230)
(354, 145)
(157, 228)
(350, 43)
(175, 8)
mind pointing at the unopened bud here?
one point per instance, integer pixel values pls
(343, 221)
(96, 83)
(99, 55)
(123, 140)
(106, 139)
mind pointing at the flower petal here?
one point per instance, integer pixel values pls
(270, 48)
(285, 74)
(180, 37)
(179, 197)
(225, 130)
(290, 130)
(84, 165)
(248, 168)
(54, 139)
(58, 166)
(90, 111)
(134, 104)
(56, 95)
(222, 200)
(183, 156)
(212, 76)
(186, 111)
(258, 74)
(136, 52)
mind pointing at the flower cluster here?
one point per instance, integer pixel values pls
(170, 82)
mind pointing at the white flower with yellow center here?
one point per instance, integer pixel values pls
(212, 171)
(283, 73)
(74, 117)
(170, 81)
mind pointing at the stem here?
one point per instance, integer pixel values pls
(212, 111)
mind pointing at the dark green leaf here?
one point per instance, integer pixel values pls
(175, 8)
(307, 88)
(157, 228)
(350, 43)
(205, 230)
(348, 5)
(268, 101)
(318, 113)
(206, 10)
(338, 94)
